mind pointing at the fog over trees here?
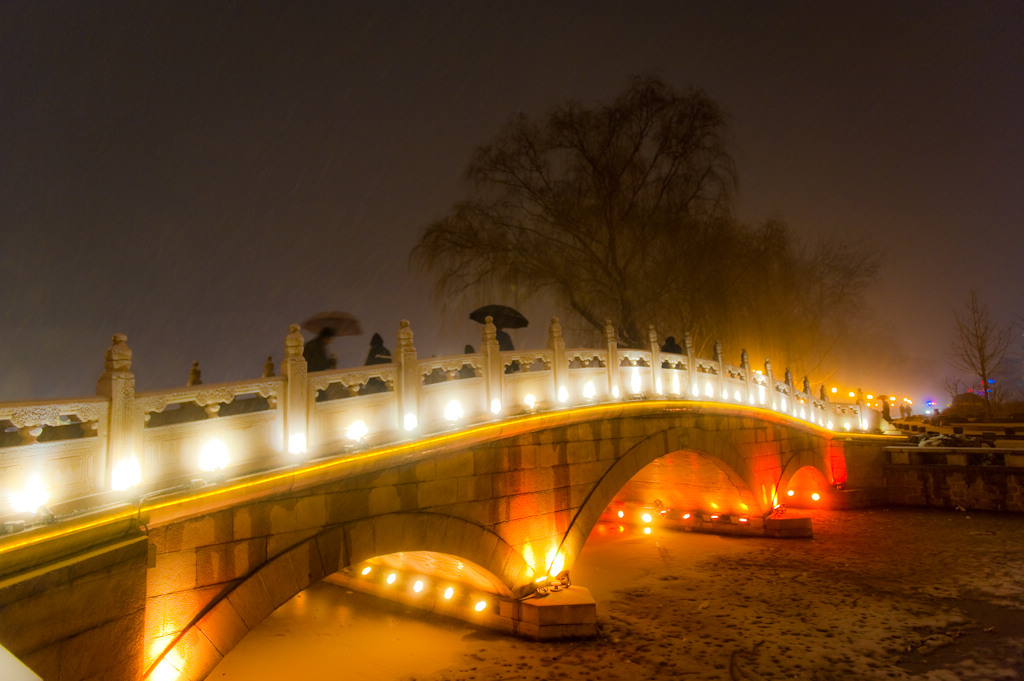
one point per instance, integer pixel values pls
(624, 212)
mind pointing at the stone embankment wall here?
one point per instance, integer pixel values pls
(987, 488)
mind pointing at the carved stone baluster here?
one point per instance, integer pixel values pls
(118, 385)
(720, 360)
(408, 379)
(614, 372)
(747, 377)
(296, 392)
(494, 368)
(652, 341)
(770, 383)
(560, 365)
(195, 375)
(691, 363)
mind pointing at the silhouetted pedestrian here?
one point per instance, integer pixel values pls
(671, 346)
(378, 353)
(315, 351)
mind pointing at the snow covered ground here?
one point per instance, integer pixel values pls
(877, 594)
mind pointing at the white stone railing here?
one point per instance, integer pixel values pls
(84, 453)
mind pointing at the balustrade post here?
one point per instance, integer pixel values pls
(494, 368)
(559, 365)
(296, 393)
(408, 379)
(691, 367)
(771, 384)
(747, 377)
(614, 373)
(652, 340)
(720, 360)
(118, 385)
(826, 407)
(861, 410)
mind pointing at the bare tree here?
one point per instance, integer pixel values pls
(595, 205)
(980, 344)
(623, 212)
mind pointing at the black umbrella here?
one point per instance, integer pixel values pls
(504, 317)
(343, 323)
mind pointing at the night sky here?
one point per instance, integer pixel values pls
(199, 175)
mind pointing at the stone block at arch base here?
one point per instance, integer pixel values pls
(567, 613)
(775, 526)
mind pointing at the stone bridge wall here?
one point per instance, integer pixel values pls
(505, 497)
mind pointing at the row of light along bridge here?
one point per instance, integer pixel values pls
(174, 458)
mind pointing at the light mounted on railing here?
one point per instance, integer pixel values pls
(410, 422)
(675, 384)
(453, 411)
(496, 406)
(357, 431)
(563, 394)
(31, 497)
(530, 401)
(297, 444)
(589, 391)
(126, 474)
(213, 458)
(634, 382)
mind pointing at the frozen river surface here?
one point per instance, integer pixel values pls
(878, 594)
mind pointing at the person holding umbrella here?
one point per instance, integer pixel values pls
(326, 325)
(315, 351)
(503, 317)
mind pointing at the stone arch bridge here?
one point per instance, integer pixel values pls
(510, 502)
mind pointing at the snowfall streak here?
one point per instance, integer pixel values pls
(503, 473)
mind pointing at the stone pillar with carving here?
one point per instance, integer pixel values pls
(748, 377)
(118, 385)
(652, 341)
(720, 361)
(614, 372)
(408, 379)
(691, 364)
(296, 393)
(494, 368)
(559, 365)
(770, 382)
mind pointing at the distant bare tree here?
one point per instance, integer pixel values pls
(980, 344)
(954, 386)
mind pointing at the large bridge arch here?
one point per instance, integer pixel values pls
(238, 609)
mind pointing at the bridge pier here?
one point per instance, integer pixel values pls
(78, 614)
(560, 614)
